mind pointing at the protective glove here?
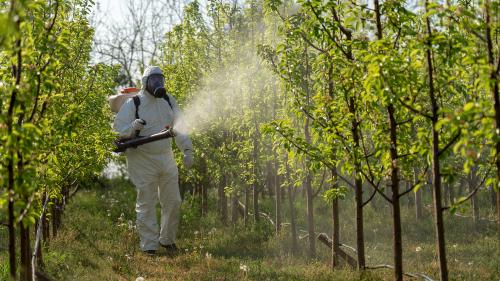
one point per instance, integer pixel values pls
(188, 159)
(138, 124)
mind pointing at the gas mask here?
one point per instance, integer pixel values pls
(156, 85)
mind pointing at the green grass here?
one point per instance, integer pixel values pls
(98, 241)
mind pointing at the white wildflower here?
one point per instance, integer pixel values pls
(130, 225)
(418, 249)
(212, 231)
(243, 267)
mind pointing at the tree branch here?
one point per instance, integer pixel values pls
(415, 184)
(369, 199)
(332, 38)
(411, 108)
(474, 191)
(452, 141)
(414, 275)
(375, 186)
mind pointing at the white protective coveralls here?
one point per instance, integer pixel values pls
(152, 168)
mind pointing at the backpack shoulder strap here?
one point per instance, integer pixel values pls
(168, 100)
(137, 102)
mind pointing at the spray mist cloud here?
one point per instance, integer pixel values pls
(222, 95)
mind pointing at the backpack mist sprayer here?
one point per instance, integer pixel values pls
(121, 144)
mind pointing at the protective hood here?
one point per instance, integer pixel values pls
(153, 82)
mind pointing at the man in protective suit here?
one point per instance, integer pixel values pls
(151, 167)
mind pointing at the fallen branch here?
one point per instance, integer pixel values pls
(303, 237)
(414, 275)
(323, 238)
(348, 247)
(470, 217)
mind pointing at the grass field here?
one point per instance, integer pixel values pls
(98, 241)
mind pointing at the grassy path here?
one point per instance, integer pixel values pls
(98, 242)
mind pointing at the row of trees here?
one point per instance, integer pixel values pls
(379, 93)
(282, 96)
(54, 121)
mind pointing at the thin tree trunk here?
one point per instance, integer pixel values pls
(39, 254)
(291, 198)
(223, 200)
(255, 173)
(310, 214)
(335, 223)
(247, 203)
(418, 198)
(358, 188)
(418, 205)
(495, 95)
(202, 189)
(46, 228)
(436, 172)
(55, 214)
(234, 208)
(11, 225)
(449, 192)
(10, 162)
(277, 198)
(255, 201)
(25, 253)
(396, 212)
(293, 221)
(22, 241)
(473, 199)
(446, 191)
(269, 180)
(409, 199)
(204, 198)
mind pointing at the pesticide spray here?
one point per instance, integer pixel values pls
(225, 94)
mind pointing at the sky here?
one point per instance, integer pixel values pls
(112, 8)
(109, 12)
